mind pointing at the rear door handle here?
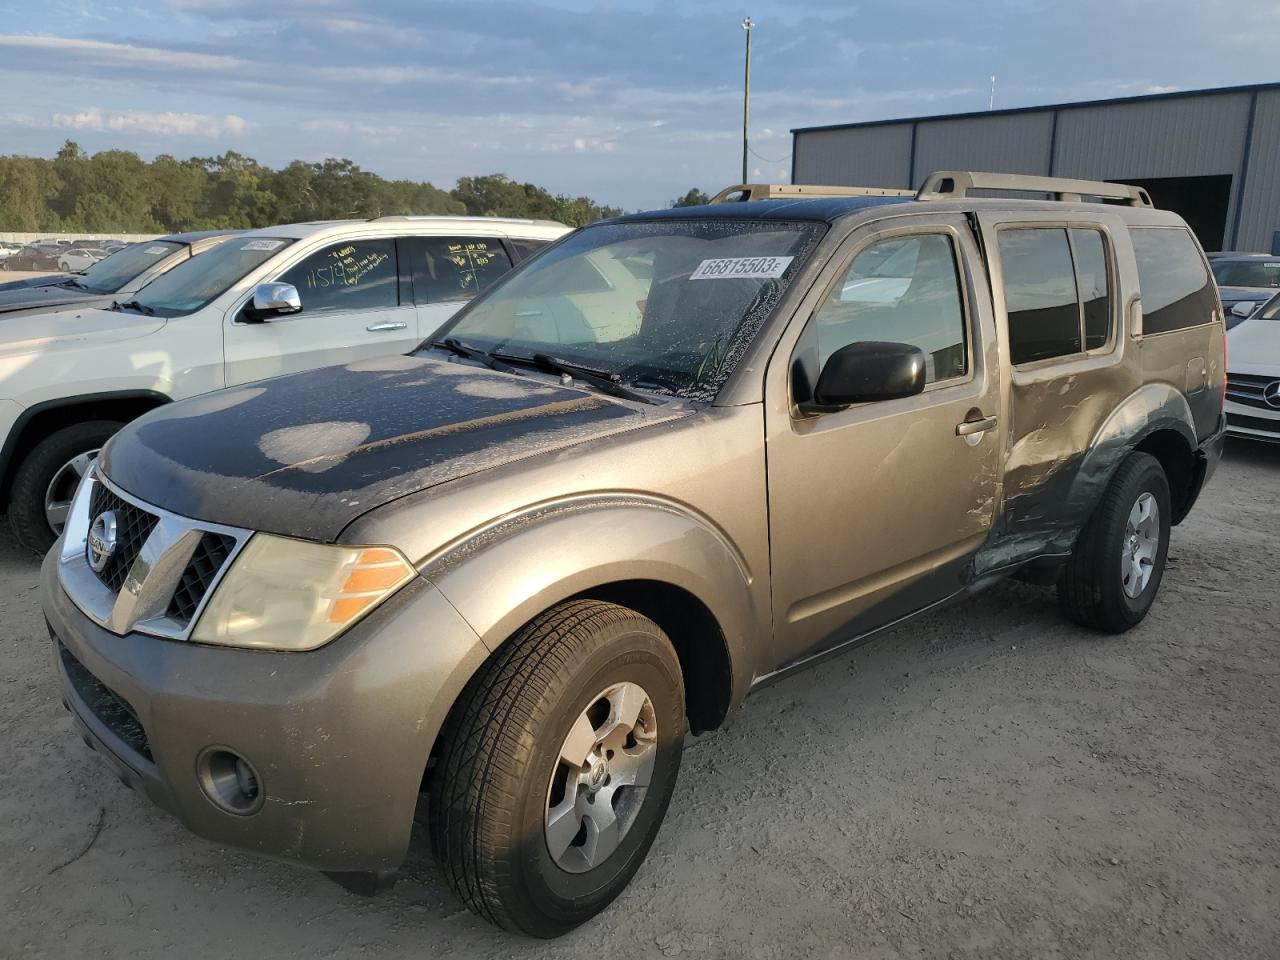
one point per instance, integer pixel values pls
(387, 325)
(970, 427)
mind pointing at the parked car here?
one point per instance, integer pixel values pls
(1253, 377)
(264, 303)
(7, 249)
(32, 257)
(511, 569)
(118, 276)
(79, 259)
(1245, 281)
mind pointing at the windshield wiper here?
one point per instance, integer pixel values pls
(460, 349)
(602, 380)
(133, 305)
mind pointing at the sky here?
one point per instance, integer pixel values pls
(630, 102)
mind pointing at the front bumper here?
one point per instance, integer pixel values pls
(339, 736)
(1252, 422)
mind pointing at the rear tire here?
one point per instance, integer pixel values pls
(28, 514)
(1114, 572)
(503, 798)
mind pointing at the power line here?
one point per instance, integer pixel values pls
(767, 159)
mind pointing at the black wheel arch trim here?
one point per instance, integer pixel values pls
(30, 413)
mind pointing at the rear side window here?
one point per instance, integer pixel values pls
(1057, 291)
(1094, 284)
(1176, 290)
(352, 275)
(456, 268)
(524, 249)
(1039, 294)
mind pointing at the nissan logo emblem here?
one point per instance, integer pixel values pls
(101, 544)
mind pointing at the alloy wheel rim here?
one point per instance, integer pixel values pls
(1140, 545)
(601, 776)
(57, 496)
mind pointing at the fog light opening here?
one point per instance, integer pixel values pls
(229, 781)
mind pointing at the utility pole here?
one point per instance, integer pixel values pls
(747, 25)
(991, 103)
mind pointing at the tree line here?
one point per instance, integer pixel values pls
(116, 191)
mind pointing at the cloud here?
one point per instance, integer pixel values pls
(156, 124)
(108, 53)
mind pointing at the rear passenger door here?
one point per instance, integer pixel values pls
(448, 271)
(1056, 290)
(352, 308)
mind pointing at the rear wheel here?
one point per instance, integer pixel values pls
(558, 766)
(46, 480)
(1118, 562)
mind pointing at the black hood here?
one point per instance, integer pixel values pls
(46, 292)
(304, 455)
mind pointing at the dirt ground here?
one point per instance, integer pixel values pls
(990, 782)
(7, 275)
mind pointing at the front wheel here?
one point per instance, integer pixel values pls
(558, 765)
(46, 480)
(1118, 562)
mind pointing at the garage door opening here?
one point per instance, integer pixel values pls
(1201, 201)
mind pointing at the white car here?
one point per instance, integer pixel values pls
(261, 304)
(1253, 375)
(76, 259)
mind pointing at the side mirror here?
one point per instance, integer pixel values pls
(1244, 309)
(274, 300)
(868, 371)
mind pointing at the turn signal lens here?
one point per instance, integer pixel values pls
(285, 594)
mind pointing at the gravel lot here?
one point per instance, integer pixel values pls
(990, 782)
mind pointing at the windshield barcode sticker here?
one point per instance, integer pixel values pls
(263, 245)
(742, 268)
(155, 251)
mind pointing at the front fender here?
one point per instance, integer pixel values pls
(501, 576)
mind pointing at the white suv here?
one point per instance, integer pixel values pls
(263, 303)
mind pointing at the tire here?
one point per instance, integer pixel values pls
(36, 472)
(500, 776)
(1098, 587)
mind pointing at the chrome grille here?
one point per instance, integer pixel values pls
(201, 571)
(133, 526)
(1247, 389)
(164, 568)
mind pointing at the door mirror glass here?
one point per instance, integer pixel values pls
(870, 370)
(275, 299)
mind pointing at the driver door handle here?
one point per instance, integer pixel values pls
(970, 427)
(386, 325)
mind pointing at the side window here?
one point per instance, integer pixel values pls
(1039, 294)
(1175, 287)
(456, 268)
(1094, 283)
(903, 290)
(352, 275)
(524, 249)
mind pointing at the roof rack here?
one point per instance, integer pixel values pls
(774, 191)
(956, 185)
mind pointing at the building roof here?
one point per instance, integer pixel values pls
(1070, 105)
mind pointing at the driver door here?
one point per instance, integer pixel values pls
(876, 508)
(352, 308)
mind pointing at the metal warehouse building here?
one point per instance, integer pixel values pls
(1211, 155)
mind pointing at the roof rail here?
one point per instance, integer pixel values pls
(956, 185)
(775, 191)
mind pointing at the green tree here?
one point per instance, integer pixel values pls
(694, 198)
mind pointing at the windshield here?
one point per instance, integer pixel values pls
(111, 273)
(193, 283)
(1247, 273)
(667, 305)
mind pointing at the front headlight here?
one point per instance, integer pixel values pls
(285, 594)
